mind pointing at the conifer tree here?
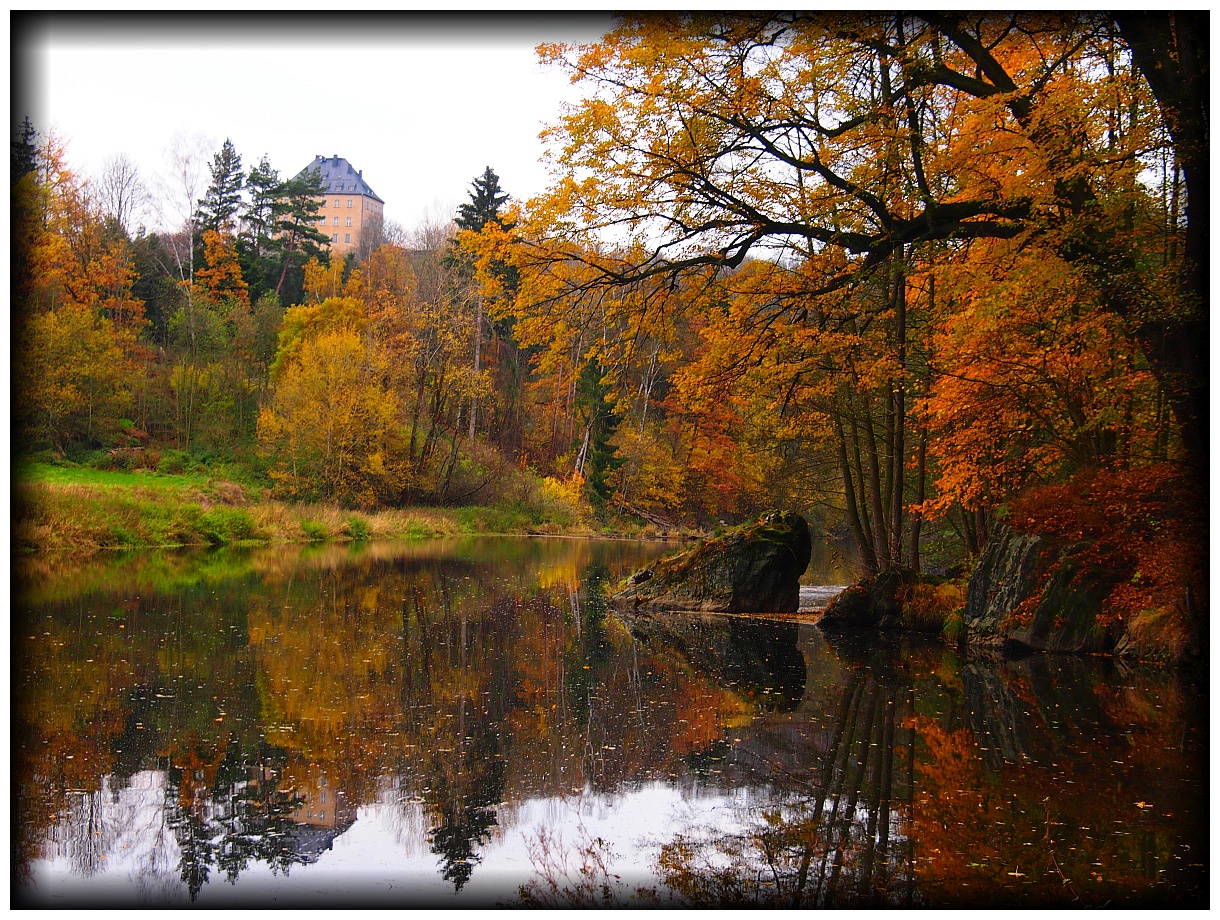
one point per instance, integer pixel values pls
(23, 197)
(486, 199)
(295, 230)
(219, 206)
(24, 153)
(265, 206)
(596, 460)
(261, 263)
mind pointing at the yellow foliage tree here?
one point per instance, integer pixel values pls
(330, 430)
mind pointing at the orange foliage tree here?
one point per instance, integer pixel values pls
(866, 158)
(79, 319)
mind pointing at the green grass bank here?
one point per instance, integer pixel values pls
(80, 509)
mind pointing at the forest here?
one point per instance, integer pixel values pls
(896, 272)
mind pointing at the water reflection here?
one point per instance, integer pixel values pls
(466, 722)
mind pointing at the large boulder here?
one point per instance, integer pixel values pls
(753, 569)
(877, 602)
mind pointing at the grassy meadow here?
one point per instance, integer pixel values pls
(81, 509)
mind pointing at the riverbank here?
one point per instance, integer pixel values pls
(82, 510)
(1110, 563)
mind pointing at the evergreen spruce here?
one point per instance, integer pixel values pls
(295, 232)
(596, 459)
(24, 152)
(219, 206)
(486, 199)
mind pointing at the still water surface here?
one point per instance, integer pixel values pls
(464, 723)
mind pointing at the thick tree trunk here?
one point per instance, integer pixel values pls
(1172, 51)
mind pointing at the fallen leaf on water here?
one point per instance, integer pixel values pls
(1142, 805)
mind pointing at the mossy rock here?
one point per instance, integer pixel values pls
(876, 603)
(755, 568)
(1031, 593)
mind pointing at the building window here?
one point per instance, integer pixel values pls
(323, 796)
(349, 222)
(347, 237)
(349, 202)
(335, 223)
(336, 202)
(321, 221)
(334, 237)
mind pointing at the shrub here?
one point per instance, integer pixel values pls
(227, 525)
(313, 530)
(931, 607)
(1148, 526)
(357, 528)
(173, 462)
(563, 501)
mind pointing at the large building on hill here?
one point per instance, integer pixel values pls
(350, 209)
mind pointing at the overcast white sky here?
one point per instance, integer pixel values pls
(420, 104)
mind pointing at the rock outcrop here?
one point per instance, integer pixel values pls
(753, 569)
(1031, 593)
(1028, 592)
(875, 603)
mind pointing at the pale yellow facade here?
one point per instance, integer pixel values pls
(350, 208)
(343, 216)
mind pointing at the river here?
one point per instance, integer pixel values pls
(466, 723)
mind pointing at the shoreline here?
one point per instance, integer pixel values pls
(80, 513)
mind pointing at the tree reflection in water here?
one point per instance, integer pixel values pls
(943, 782)
(195, 721)
(838, 838)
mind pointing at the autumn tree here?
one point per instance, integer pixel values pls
(330, 429)
(483, 211)
(856, 154)
(221, 278)
(74, 378)
(76, 333)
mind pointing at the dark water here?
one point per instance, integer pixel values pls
(464, 724)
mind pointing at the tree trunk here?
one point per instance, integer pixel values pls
(868, 556)
(898, 449)
(1172, 51)
(881, 538)
(478, 344)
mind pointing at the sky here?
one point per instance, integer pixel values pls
(421, 104)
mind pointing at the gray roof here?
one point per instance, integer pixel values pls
(340, 177)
